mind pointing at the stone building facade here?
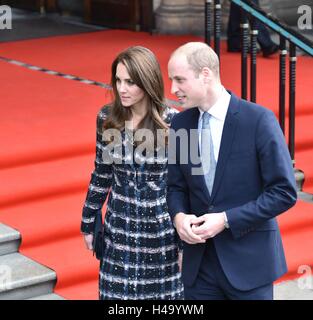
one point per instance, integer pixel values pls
(187, 16)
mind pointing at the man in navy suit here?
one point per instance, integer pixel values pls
(225, 215)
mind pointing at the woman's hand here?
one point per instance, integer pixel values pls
(88, 241)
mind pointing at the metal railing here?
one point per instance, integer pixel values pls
(286, 34)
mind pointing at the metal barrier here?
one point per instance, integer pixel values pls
(295, 40)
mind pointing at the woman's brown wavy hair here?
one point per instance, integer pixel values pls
(144, 70)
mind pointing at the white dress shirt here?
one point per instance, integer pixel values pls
(218, 114)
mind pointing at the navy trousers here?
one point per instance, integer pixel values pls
(212, 284)
(233, 30)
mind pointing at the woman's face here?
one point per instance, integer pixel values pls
(130, 94)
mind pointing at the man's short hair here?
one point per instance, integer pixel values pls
(199, 55)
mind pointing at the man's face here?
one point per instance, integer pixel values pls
(188, 88)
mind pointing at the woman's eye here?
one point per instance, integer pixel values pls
(130, 82)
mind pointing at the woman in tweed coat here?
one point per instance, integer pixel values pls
(141, 252)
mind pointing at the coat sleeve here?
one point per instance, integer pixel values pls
(279, 187)
(169, 114)
(100, 182)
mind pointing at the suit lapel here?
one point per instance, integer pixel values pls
(193, 118)
(229, 130)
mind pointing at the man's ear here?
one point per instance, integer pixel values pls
(207, 74)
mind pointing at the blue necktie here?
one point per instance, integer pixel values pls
(207, 152)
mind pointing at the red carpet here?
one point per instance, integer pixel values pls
(90, 55)
(42, 116)
(48, 135)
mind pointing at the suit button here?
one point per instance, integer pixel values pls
(211, 207)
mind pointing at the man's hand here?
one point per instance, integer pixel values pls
(208, 225)
(183, 226)
(88, 241)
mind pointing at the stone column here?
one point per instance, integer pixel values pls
(187, 16)
(196, 9)
(173, 17)
(266, 5)
(197, 16)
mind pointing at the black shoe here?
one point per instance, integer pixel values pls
(270, 50)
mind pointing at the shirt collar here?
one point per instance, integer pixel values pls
(219, 109)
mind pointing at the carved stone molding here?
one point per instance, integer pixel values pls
(184, 16)
(187, 16)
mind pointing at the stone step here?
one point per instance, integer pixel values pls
(23, 278)
(10, 240)
(51, 296)
(299, 289)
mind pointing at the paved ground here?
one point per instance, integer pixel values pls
(29, 25)
(301, 289)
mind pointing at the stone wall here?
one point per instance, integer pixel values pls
(73, 7)
(187, 16)
(287, 10)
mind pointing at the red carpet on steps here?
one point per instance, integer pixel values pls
(48, 140)
(90, 55)
(42, 116)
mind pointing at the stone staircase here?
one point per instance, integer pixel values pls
(24, 279)
(294, 290)
(20, 277)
